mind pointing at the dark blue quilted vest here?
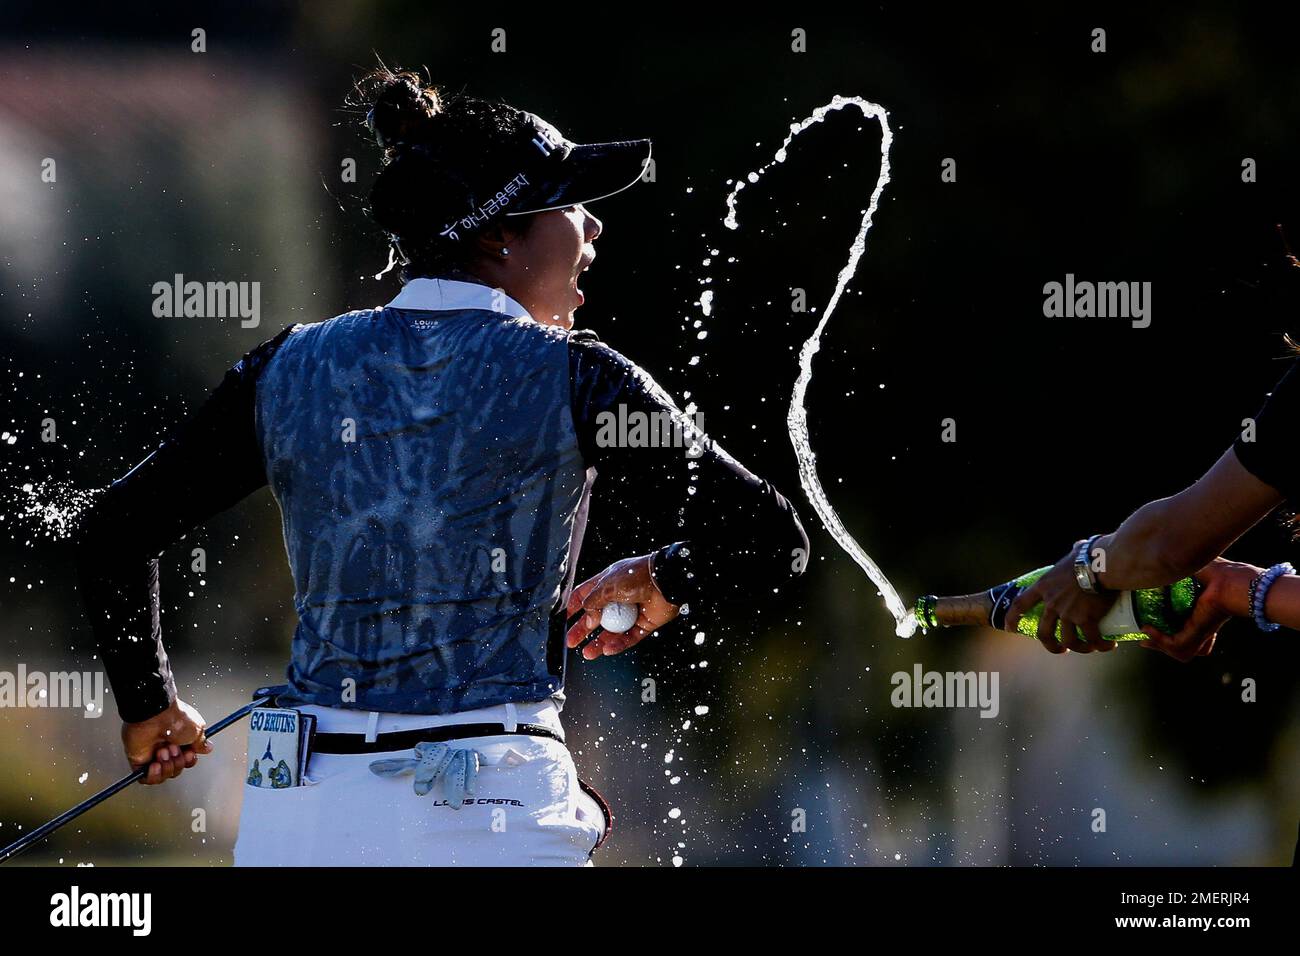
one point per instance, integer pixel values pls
(425, 462)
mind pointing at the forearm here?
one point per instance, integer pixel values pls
(118, 578)
(117, 552)
(1151, 549)
(744, 538)
(1282, 603)
(735, 536)
(1171, 538)
(121, 600)
(1231, 589)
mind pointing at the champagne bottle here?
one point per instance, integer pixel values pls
(1165, 608)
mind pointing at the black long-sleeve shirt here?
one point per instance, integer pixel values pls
(740, 537)
(1270, 455)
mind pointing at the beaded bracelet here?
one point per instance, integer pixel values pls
(1259, 594)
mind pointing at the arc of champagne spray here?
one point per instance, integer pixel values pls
(797, 417)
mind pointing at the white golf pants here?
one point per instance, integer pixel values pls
(528, 809)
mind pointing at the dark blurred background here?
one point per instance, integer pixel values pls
(1116, 166)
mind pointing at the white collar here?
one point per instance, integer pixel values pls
(447, 295)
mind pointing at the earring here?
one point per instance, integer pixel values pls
(505, 251)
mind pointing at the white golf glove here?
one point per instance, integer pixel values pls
(434, 762)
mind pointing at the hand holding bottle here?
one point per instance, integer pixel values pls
(1077, 611)
(1164, 607)
(1226, 595)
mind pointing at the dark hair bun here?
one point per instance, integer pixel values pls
(443, 156)
(401, 110)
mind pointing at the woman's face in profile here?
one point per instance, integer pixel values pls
(545, 263)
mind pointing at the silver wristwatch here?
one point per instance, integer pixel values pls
(1084, 576)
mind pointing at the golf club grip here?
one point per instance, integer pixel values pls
(46, 829)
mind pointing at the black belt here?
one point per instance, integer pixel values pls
(407, 739)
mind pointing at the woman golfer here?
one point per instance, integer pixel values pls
(432, 460)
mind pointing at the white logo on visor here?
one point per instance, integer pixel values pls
(548, 138)
(486, 211)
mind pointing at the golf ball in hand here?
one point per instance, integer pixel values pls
(618, 618)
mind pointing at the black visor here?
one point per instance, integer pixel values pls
(551, 173)
(587, 173)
